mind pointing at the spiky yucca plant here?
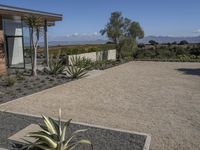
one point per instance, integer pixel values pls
(56, 66)
(53, 137)
(78, 68)
(84, 62)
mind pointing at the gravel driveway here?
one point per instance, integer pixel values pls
(159, 98)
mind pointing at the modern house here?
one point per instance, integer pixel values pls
(15, 37)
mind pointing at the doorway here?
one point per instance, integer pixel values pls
(15, 52)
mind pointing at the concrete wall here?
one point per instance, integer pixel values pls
(112, 55)
(95, 56)
(2, 51)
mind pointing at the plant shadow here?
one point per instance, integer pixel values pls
(190, 71)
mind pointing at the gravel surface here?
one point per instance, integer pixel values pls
(29, 85)
(102, 139)
(159, 98)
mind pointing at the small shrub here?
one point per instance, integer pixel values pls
(53, 136)
(9, 80)
(19, 75)
(127, 59)
(180, 51)
(145, 54)
(184, 58)
(100, 64)
(163, 53)
(104, 64)
(195, 51)
(193, 57)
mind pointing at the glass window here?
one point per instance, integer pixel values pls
(14, 41)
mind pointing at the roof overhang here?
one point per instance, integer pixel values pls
(16, 11)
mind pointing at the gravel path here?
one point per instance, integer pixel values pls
(159, 98)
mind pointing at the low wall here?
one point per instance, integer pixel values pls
(100, 55)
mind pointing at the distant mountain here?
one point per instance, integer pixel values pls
(77, 42)
(56, 43)
(145, 40)
(167, 39)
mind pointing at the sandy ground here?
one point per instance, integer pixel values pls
(150, 97)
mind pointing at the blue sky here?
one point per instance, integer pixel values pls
(87, 17)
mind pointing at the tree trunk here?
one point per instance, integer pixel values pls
(34, 70)
(119, 56)
(33, 53)
(31, 46)
(34, 46)
(118, 50)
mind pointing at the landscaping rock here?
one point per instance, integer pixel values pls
(101, 138)
(30, 85)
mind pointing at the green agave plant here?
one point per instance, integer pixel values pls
(56, 66)
(83, 62)
(79, 67)
(53, 137)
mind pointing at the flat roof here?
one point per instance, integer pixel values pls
(17, 11)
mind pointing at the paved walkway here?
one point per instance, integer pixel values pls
(160, 98)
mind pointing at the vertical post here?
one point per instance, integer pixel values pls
(46, 47)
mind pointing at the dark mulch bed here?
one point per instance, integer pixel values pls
(102, 139)
(30, 85)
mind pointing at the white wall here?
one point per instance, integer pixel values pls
(95, 56)
(112, 54)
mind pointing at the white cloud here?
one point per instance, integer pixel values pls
(197, 31)
(68, 35)
(95, 33)
(76, 34)
(83, 36)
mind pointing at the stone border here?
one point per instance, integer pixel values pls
(148, 136)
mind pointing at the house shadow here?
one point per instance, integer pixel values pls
(190, 71)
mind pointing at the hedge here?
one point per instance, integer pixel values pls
(79, 49)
